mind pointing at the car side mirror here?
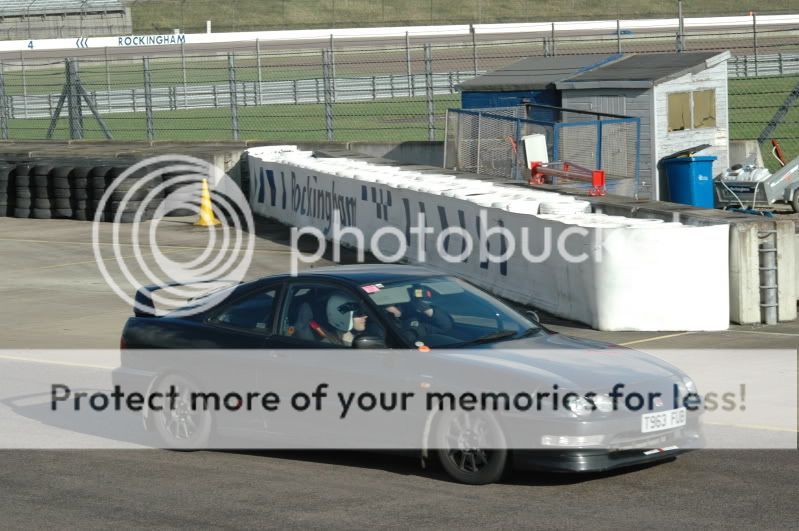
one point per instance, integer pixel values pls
(368, 342)
(532, 314)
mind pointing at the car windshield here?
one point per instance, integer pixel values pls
(445, 312)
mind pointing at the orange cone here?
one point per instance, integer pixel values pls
(207, 218)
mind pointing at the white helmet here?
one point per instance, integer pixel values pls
(340, 311)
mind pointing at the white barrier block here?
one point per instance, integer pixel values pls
(610, 272)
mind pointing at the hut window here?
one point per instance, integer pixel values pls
(679, 111)
(692, 110)
(704, 108)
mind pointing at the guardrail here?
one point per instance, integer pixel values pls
(250, 93)
(775, 64)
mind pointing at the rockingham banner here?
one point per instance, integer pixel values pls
(464, 30)
(609, 272)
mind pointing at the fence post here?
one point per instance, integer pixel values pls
(428, 85)
(479, 138)
(618, 36)
(3, 105)
(474, 48)
(599, 144)
(133, 98)
(680, 28)
(234, 104)
(185, 82)
(754, 38)
(107, 81)
(779, 59)
(326, 74)
(216, 97)
(73, 97)
(24, 86)
(148, 98)
(553, 39)
(411, 88)
(258, 98)
(374, 88)
(332, 61)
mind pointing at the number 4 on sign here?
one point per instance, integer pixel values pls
(30, 45)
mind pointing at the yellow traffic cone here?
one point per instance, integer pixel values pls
(207, 218)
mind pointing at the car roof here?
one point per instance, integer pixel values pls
(360, 274)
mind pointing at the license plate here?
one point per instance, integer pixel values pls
(663, 420)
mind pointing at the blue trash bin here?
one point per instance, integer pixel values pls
(690, 180)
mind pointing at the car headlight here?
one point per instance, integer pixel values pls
(579, 405)
(603, 403)
(690, 386)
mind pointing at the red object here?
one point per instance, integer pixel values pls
(567, 170)
(316, 328)
(778, 151)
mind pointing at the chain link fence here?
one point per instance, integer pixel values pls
(396, 91)
(489, 141)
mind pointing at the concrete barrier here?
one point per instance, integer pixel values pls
(635, 274)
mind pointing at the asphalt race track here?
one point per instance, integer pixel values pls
(53, 296)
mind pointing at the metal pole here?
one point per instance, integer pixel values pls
(73, 98)
(618, 36)
(326, 71)
(553, 38)
(258, 98)
(24, 86)
(428, 85)
(234, 104)
(3, 103)
(333, 60)
(107, 81)
(474, 48)
(680, 28)
(148, 98)
(185, 82)
(408, 63)
(479, 137)
(754, 39)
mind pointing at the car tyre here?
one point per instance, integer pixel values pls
(471, 447)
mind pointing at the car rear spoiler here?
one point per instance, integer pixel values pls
(144, 305)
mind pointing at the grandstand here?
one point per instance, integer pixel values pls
(44, 19)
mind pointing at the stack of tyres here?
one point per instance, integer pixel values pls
(40, 180)
(6, 191)
(97, 181)
(61, 198)
(126, 200)
(23, 200)
(180, 195)
(79, 193)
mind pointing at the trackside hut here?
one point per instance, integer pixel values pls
(681, 100)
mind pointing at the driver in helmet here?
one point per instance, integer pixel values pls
(346, 318)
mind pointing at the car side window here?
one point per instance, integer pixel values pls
(254, 312)
(327, 315)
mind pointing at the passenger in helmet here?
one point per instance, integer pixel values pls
(346, 318)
